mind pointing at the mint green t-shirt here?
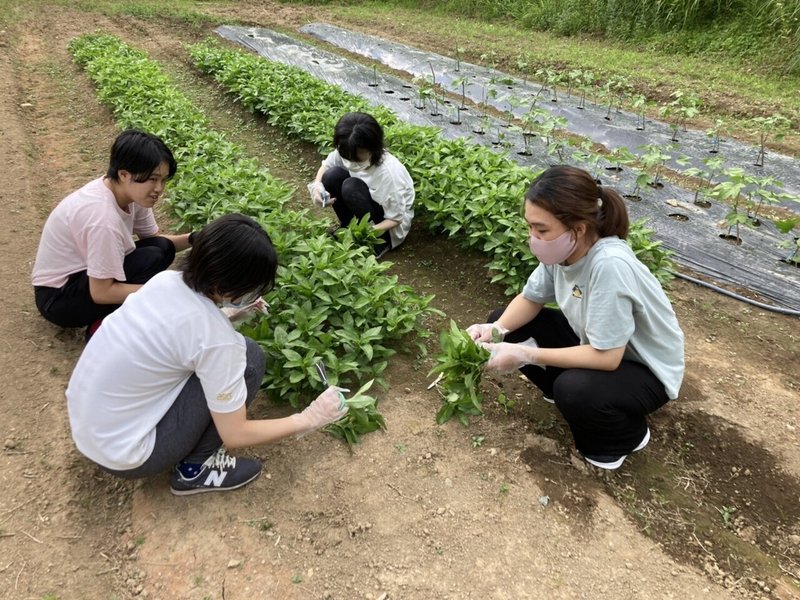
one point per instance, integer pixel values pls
(611, 300)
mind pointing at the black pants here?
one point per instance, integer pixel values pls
(605, 410)
(72, 304)
(353, 199)
(187, 432)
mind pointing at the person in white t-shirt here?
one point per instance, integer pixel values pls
(360, 177)
(166, 381)
(613, 353)
(88, 261)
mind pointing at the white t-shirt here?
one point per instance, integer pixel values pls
(88, 231)
(611, 300)
(136, 364)
(391, 186)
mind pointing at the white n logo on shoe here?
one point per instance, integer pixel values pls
(215, 478)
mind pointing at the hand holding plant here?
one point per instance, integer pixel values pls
(506, 357)
(328, 407)
(487, 332)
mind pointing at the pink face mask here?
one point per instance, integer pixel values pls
(553, 251)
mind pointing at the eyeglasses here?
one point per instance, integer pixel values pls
(245, 300)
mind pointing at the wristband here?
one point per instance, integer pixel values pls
(191, 237)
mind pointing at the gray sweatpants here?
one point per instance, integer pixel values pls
(187, 432)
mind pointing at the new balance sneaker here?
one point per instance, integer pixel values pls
(614, 462)
(221, 472)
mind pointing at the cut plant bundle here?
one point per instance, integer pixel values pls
(460, 367)
(362, 417)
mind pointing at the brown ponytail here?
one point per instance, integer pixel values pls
(572, 196)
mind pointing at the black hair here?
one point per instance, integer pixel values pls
(573, 196)
(139, 154)
(359, 131)
(232, 256)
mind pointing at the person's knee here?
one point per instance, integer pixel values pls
(353, 187)
(166, 250)
(333, 177)
(574, 390)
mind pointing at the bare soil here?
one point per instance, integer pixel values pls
(502, 509)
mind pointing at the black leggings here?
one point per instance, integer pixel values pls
(187, 432)
(353, 199)
(72, 304)
(605, 410)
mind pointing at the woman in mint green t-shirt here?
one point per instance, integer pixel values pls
(613, 353)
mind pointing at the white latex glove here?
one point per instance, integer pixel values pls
(319, 195)
(487, 332)
(328, 407)
(507, 357)
(237, 314)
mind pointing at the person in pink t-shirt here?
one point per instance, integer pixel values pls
(88, 261)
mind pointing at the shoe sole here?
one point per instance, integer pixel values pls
(618, 463)
(203, 490)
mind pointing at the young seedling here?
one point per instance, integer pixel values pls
(613, 92)
(764, 193)
(776, 127)
(682, 107)
(585, 154)
(731, 191)
(653, 161)
(713, 134)
(460, 366)
(787, 226)
(714, 167)
(462, 82)
(512, 102)
(586, 84)
(553, 79)
(620, 156)
(523, 62)
(638, 104)
(573, 80)
(459, 52)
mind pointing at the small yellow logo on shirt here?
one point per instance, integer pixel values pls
(577, 292)
(224, 397)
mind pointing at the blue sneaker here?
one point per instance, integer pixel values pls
(221, 472)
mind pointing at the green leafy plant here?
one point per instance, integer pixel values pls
(775, 126)
(713, 169)
(362, 417)
(682, 107)
(787, 226)
(460, 365)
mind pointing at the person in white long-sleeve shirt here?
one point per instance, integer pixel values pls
(361, 177)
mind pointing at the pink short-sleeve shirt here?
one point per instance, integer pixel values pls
(88, 231)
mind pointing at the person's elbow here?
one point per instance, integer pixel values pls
(611, 359)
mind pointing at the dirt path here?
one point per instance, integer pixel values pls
(501, 510)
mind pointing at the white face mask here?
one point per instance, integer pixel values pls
(355, 166)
